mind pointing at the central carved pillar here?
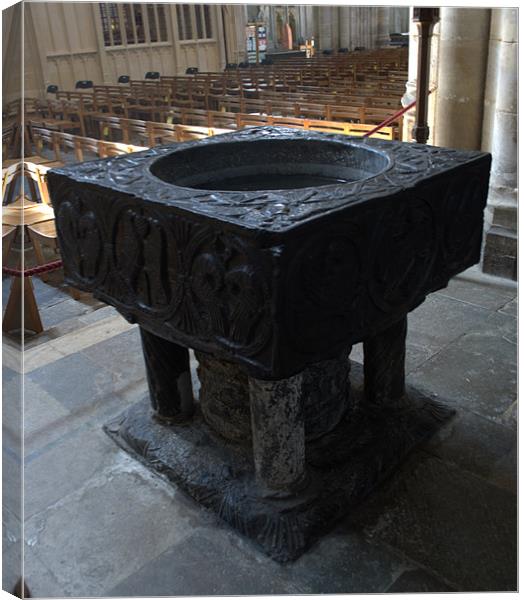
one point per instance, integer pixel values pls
(225, 396)
(278, 429)
(277, 417)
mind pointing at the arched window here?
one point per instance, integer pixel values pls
(133, 24)
(194, 22)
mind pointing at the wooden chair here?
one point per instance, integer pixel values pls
(290, 122)
(360, 129)
(23, 212)
(328, 126)
(67, 142)
(45, 138)
(41, 235)
(37, 175)
(12, 320)
(347, 114)
(24, 215)
(186, 133)
(109, 149)
(281, 108)
(224, 120)
(8, 236)
(7, 141)
(195, 116)
(89, 148)
(10, 176)
(141, 130)
(164, 133)
(56, 120)
(244, 120)
(113, 129)
(310, 111)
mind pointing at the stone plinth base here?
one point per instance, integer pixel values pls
(500, 253)
(343, 466)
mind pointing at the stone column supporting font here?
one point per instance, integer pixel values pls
(384, 360)
(278, 430)
(224, 396)
(168, 377)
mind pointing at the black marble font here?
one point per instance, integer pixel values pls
(271, 252)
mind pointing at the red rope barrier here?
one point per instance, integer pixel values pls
(52, 266)
(398, 114)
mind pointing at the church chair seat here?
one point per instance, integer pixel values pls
(8, 236)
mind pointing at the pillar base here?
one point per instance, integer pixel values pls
(500, 253)
(344, 466)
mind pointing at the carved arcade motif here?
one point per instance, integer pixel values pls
(80, 238)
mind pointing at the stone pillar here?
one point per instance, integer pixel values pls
(316, 26)
(335, 39)
(353, 27)
(383, 26)
(384, 360)
(404, 19)
(270, 25)
(367, 26)
(279, 441)
(361, 40)
(396, 24)
(344, 32)
(499, 137)
(463, 55)
(325, 16)
(373, 29)
(225, 399)
(361, 27)
(492, 73)
(234, 18)
(411, 84)
(306, 22)
(168, 378)
(278, 416)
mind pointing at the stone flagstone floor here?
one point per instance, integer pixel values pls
(97, 523)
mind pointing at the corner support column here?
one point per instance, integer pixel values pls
(168, 377)
(384, 365)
